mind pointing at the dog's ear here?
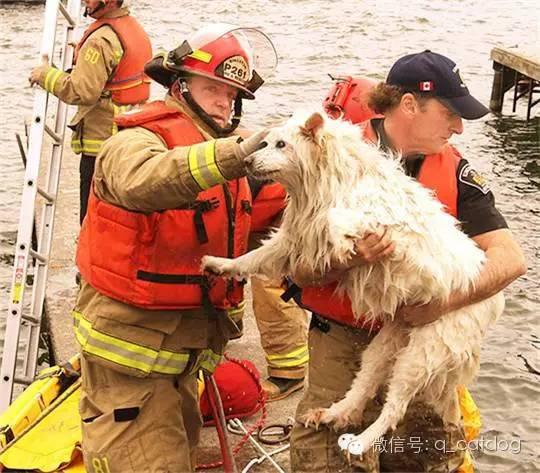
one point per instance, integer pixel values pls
(312, 126)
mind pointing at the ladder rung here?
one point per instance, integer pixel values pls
(66, 14)
(27, 381)
(49, 197)
(19, 319)
(30, 319)
(38, 256)
(56, 138)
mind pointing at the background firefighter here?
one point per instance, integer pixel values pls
(283, 326)
(168, 189)
(106, 79)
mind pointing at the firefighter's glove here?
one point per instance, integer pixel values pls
(38, 71)
(247, 147)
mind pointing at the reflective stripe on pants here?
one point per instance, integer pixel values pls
(284, 329)
(125, 353)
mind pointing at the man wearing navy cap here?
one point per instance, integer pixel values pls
(422, 103)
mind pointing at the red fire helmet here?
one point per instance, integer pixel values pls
(236, 56)
(348, 99)
(238, 382)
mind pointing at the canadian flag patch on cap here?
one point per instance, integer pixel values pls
(426, 86)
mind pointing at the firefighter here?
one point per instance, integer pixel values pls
(106, 79)
(168, 189)
(283, 326)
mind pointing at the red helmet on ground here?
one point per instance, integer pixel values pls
(239, 386)
(348, 99)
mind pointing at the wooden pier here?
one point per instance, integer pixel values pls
(515, 68)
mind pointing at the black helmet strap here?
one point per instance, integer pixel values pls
(220, 131)
(95, 10)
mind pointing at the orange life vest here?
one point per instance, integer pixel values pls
(129, 84)
(268, 202)
(438, 172)
(153, 260)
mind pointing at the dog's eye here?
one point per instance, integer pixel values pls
(280, 144)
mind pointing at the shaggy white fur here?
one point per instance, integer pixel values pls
(341, 187)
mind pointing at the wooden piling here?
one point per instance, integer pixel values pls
(511, 65)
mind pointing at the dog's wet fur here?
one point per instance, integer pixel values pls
(341, 187)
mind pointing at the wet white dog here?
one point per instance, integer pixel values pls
(339, 188)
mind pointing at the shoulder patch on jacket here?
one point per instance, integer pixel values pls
(470, 176)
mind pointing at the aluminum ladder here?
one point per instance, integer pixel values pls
(19, 319)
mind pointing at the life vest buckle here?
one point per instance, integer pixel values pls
(207, 205)
(246, 207)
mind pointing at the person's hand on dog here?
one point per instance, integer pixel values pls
(422, 314)
(369, 249)
(372, 247)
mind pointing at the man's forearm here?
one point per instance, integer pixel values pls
(67, 86)
(504, 263)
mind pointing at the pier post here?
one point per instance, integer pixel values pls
(503, 80)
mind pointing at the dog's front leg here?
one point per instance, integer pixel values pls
(267, 260)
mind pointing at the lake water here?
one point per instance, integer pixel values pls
(314, 38)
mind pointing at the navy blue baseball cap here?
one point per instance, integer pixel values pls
(438, 76)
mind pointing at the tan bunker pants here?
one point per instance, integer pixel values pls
(136, 425)
(420, 443)
(283, 327)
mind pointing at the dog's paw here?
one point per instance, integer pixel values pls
(217, 265)
(346, 413)
(314, 418)
(330, 415)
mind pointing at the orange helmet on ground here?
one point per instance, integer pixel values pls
(348, 99)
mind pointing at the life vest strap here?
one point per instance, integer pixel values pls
(320, 323)
(162, 278)
(200, 207)
(290, 292)
(202, 281)
(206, 301)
